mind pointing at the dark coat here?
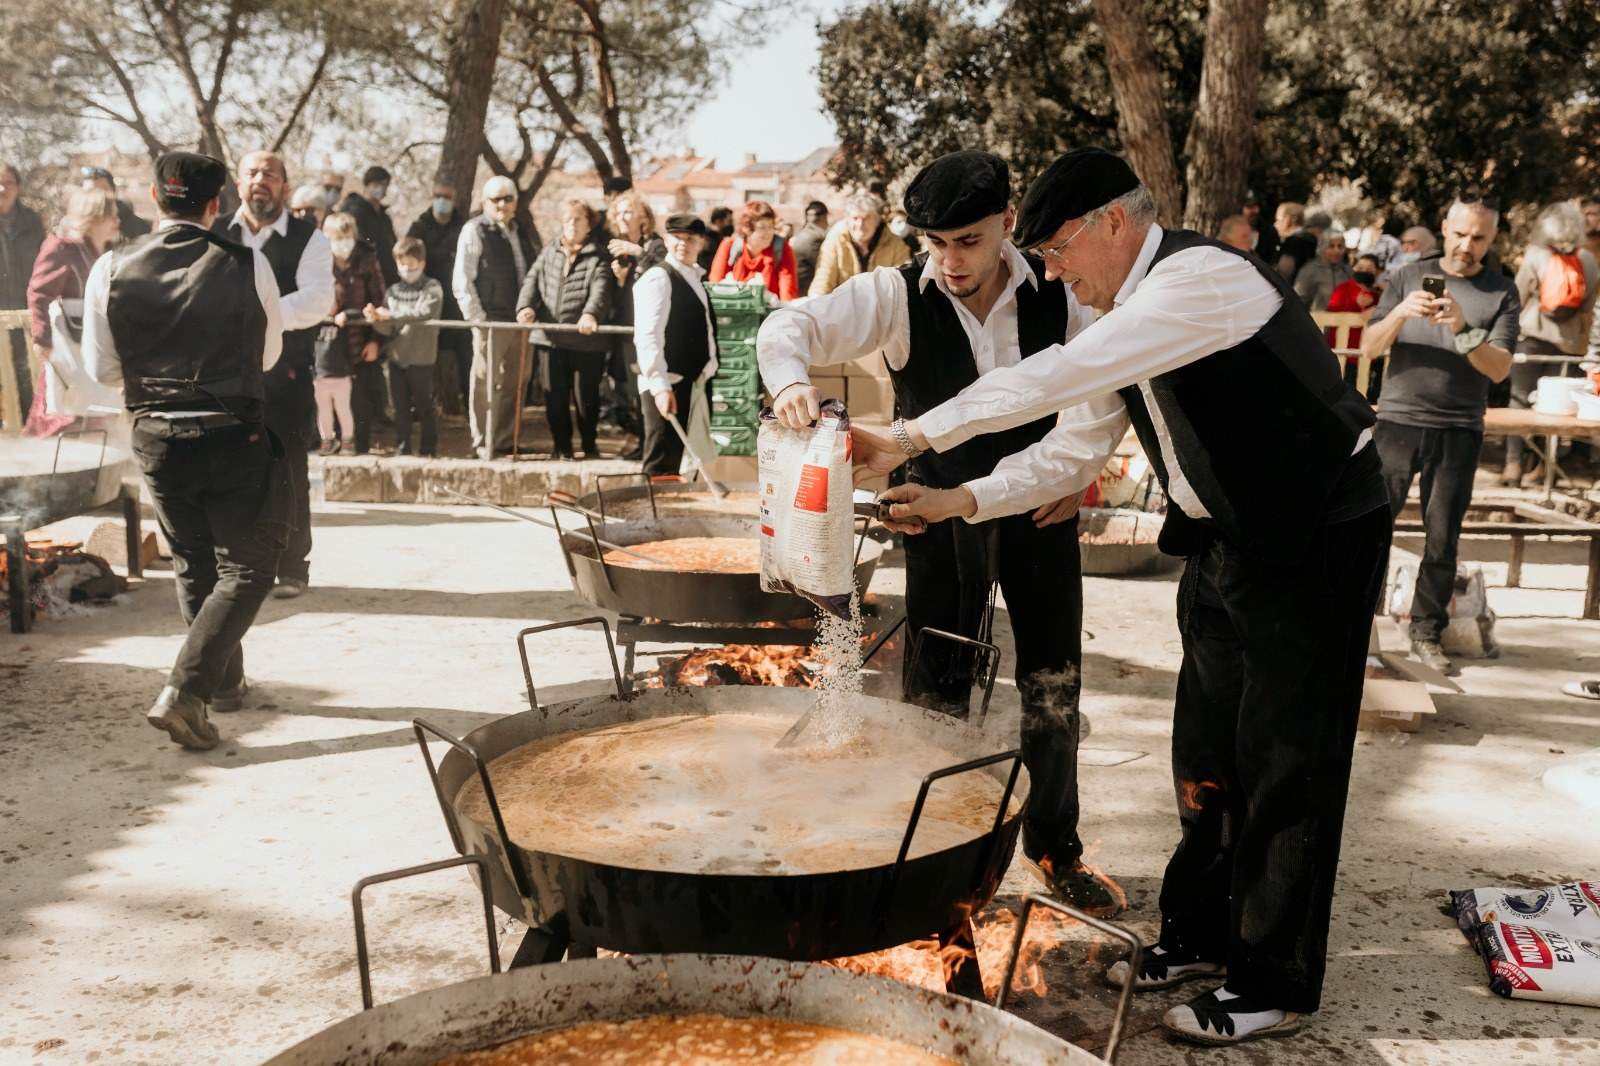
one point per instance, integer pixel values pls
(440, 239)
(132, 224)
(558, 294)
(20, 237)
(375, 227)
(60, 273)
(356, 284)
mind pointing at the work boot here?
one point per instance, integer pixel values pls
(1078, 885)
(231, 699)
(1219, 1018)
(1512, 474)
(1430, 654)
(1161, 967)
(183, 716)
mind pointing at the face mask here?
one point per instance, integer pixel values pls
(343, 247)
(899, 227)
(1365, 277)
(376, 193)
(442, 208)
(410, 275)
(330, 196)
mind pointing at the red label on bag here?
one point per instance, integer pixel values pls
(1513, 975)
(1526, 946)
(811, 494)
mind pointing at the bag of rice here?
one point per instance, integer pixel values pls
(1572, 908)
(807, 509)
(1545, 964)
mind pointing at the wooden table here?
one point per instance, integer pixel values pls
(1512, 422)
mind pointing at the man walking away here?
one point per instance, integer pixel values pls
(302, 264)
(493, 256)
(808, 242)
(1444, 351)
(187, 321)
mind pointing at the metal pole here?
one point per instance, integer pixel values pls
(522, 392)
(489, 397)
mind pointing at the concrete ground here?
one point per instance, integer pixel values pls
(158, 906)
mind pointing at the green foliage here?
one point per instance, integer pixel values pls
(1416, 97)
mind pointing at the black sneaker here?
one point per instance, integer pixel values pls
(1162, 968)
(1089, 891)
(1219, 1018)
(1431, 655)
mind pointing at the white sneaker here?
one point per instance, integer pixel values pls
(1220, 1018)
(1584, 690)
(1160, 968)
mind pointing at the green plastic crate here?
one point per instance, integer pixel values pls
(736, 384)
(737, 326)
(736, 355)
(739, 440)
(732, 296)
(735, 411)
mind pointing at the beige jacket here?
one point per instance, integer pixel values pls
(838, 259)
(1569, 334)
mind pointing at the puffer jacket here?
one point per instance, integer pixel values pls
(557, 294)
(838, 260)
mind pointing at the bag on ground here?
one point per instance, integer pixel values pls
(1572, 908)
(1529, 963)
(807, 509)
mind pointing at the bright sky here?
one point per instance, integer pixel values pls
(769, 103)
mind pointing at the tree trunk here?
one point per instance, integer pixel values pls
(469, 78)
(1140, 94)
(1224, 117)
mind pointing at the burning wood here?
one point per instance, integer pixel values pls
(60, 573)
(780, 666)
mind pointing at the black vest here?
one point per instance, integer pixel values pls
(1262, 430)
(283, 255)
(187, 323)
(942, 364)
(498, 281)
(688, 348)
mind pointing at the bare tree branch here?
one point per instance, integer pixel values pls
(305, 95)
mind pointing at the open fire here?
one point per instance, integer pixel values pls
(777, 665)
(61, 572)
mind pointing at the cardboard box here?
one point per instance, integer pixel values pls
(1394, 704)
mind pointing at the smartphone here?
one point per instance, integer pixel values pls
(1433, 285)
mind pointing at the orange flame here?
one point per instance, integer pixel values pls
(781, 666)
(1192, 790)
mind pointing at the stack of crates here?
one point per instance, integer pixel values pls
(736, 386)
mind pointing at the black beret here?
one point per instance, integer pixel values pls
(957, 190)
(187, 181)
(686, 223)
(1071, 187)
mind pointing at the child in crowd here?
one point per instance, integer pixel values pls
(412, 348)
(357, 283)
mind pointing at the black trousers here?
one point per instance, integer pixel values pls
(951, 571)
(291, 416)
(221, 498)
(366, 402)
(663, 451)
(562, 366)
(411, 390)
(1446, 459)
(1262, 734)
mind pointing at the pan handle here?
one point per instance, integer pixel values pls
(987, 652)
(649, 486)
(527, 671)
(55, 463)
(561, 539)
(513, 859)
(1015, 757)
(1119, 1021)
(364, 961)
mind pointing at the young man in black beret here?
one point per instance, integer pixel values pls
(974, 305)
(1230, 387)
(675, 337)
(187, 323)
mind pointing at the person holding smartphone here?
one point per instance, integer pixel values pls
(1449, 327)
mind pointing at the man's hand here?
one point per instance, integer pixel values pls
(913, 506)
(797, 405)
(875, 452)
(340, 319)
(587, 324)
(1447, 312)
(370, 352)
(525, 316)
(375, 313)
(1417, 304)
(666, 403)
(1060, 511)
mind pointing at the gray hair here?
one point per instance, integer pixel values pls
(1477, 206)
(1137, 202)
(864, 203)
(1327, 237)
(1423, 236)
(1560, 226)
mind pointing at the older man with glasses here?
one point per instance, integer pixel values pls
(492, 257)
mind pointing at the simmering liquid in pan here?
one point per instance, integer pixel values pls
(721, 555)
(709, 794)
(702, 1039)
(742, 504)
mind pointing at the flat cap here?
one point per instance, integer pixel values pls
(1071, 187)
(686, 223)
(187, 181)
(957, 190)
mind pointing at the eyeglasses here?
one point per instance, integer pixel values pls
(1055, 252)
(502, 199)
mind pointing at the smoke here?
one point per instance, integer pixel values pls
(1050, 698)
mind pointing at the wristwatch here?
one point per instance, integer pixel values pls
(897, 429)
(1469, 339)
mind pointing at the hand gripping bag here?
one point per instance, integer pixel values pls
(807, 509)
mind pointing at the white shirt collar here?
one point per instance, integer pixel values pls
(691, 271)
(1141, 265)
(280, 225)
(1017, 264)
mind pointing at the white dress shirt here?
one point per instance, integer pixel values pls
(312, 300)
(100, 356)
(869, 312)
(469, 249)
(652, 302)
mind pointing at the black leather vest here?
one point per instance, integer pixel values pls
(498, 281)
(187, 323)
(941, 364)
(1262, 430)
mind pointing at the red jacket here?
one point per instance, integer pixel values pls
(1351, 296)
(59, 273)
(780, 275)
